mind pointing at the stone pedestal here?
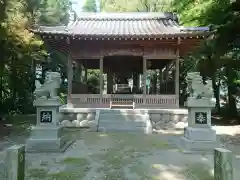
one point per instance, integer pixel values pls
(199, 136)
(47, 135)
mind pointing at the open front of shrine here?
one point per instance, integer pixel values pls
(135, 55)
(132, 60)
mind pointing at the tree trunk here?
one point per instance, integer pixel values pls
(216, 90)
(1, 84)
(14, 83)
(218, 104)
(231, 99)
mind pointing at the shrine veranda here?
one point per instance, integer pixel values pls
(122, 46)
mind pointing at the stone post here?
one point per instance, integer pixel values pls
(15, 162)
(47, 135)
(223, 168)
(199, 136)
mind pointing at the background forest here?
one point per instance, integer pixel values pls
(218, 58)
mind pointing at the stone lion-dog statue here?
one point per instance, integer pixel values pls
(197, 88)
(48, 90)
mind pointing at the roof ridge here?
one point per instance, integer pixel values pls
(110, 16)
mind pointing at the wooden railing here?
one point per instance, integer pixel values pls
(140, 100)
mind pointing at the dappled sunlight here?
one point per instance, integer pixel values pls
(118, 155)
(166, 175)
(170, 132)
(227, 130)
(166, 172)
(204, 158)
(102, 135)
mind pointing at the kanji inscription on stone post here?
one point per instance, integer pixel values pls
(46, 116)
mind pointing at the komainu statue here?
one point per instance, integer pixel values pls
(48, 90)
(196, 87)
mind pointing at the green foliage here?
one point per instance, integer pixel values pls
(218, 57)
(49, 12)
(21, 50)
(90, 6)
(135, 5)
(53, 12)
(93, 81)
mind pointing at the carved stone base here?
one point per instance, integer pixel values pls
(47, 139)
(198, 139)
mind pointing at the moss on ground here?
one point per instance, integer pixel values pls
(37, 173)
(123, 150)
(66, 175)
(140, 141)
(118, 155)
(75, 161)
(76, 169)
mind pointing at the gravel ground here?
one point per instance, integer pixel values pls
(126, 156)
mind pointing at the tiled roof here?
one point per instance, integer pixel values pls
(123, 25)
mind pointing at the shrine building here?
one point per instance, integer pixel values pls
(128, 60)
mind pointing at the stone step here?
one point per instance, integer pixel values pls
(120, 117)
(104, 123)
(121, 129)
(123, 111)
(119, 121)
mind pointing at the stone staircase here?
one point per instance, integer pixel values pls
(124, 120)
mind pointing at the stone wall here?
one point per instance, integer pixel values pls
(160, 118)
(80, 119)
(168, 119)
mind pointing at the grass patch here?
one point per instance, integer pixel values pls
(114, 160)
(44, 163)
(37, 173)
(22, 119)
(139, 169)
(20, 125)
(75, 161)
(65, 176)
(76, 168)
(140, 141)
(123, 150)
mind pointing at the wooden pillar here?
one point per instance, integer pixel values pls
(101, 77)
(144, 78)
(85, 74)
(177, 74)
(69, 78)
(109, 82)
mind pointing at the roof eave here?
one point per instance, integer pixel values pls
(176, 35)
